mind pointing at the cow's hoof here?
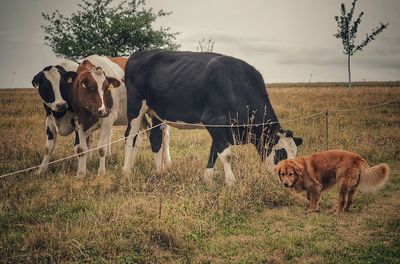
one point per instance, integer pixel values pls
(80, 175)
(168, 164)
(126, 172)
(39, 171)
(208, 176)
(230, 181)
(101, 173)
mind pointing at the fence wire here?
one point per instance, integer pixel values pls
(326, 113)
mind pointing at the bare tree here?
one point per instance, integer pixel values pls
(206, 45)
(347, 31)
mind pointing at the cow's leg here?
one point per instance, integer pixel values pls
(109, 153)
(76, 143)
(89, 142)
(221, 146)
(82, 147)
(104, 142)
(130, 156)
(131, 143)
(166, 153)
(209, 172)
(159, 140)
(225, 157)
(51, 137)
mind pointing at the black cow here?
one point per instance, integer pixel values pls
(209, 89)
(54, 87)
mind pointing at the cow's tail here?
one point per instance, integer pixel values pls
(373, 178)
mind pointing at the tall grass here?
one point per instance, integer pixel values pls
(175, 217)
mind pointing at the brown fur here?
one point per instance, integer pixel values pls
(121, 61)
(85, 96)
(321, 171)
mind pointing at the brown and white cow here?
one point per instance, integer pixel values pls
(99, 101)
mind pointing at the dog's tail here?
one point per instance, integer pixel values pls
(373, 178)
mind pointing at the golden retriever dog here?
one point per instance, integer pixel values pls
(320, 171)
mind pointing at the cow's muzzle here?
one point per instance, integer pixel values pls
(103, 112)
(61, 106)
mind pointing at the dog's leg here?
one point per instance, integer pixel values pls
(349, 199)
(315, 196)
(342, 201)
(353, 179)
(298, 197)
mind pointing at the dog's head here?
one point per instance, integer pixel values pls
(289, 172)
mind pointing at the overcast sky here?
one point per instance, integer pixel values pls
(285, 40)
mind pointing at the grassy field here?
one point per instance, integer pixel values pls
(176, 218)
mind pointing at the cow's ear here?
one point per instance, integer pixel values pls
(37, 79)
(69, 76)
(276, 139)
(114, 82)
(298, 141)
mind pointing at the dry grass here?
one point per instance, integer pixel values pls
(56, 218)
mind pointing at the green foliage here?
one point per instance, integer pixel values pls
(101, 27)
(347, 30)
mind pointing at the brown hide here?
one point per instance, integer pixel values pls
(85, 66)
(121, 61)
(86, 99)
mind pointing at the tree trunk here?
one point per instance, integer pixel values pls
(348, 66)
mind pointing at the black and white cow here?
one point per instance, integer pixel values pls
(209, 89)
(54, 90)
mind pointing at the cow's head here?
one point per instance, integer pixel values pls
(282, 146)
(95, 91)
(54, 84)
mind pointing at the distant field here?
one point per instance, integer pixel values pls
(392, 84)
(57, 218)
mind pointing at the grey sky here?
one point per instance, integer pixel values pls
(285, 40)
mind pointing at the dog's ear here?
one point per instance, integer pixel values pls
(298, 168)
(277, 169)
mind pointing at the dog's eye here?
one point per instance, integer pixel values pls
(282, 174)
(290, 173)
